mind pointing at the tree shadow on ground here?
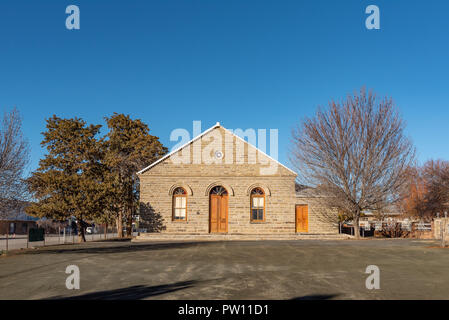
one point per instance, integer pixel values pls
(130, 293)
(131, 247)
(317, 297)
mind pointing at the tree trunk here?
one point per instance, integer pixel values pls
(119, 223)
(81, 237)
(356, 224)
(129, 224)
(105, 230)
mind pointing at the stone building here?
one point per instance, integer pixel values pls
(219, 183)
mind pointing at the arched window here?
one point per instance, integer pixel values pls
(179, 204)
(257, 205)
(219, 191)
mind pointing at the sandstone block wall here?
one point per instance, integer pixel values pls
(238, 170)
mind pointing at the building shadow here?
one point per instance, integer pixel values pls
(317, 297)
(130, 293)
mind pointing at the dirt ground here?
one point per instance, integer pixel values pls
(308, 269)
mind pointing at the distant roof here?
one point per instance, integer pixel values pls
(369, 213)
(17, 214)
(391, 210)
(303, 191)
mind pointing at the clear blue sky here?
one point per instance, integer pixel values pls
(245, 63)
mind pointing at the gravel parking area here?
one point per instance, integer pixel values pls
(308, 269)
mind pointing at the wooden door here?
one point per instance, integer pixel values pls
(302, 218)
(218, 213)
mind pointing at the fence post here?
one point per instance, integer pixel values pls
(442, 225)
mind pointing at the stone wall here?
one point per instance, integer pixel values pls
(279, 210)
(238, 170)
(322, 220)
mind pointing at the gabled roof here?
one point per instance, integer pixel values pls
(217, 125)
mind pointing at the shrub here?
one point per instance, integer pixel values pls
(394, 231)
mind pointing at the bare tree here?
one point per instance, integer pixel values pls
(412, 202)
(427, 190)
(355, 152)
(14, 158)
(436, 181)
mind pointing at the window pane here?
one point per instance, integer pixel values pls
(257, 214)
(183, 202)
(258, 202)
(254, 214)
(254, 202)
(180, 214)
(260, 214)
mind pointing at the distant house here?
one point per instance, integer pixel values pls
(16, 222)
(237, 189)
(392, 212)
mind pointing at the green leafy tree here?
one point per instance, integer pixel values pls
(69, 179)
(128, 148)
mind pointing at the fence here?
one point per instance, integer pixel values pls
(424, 226)
(441, 228)
(365, 231)
(11, 242)
(415, 229)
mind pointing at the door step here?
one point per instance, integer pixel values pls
(143, 237)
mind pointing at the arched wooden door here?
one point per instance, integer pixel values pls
(218, 210)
